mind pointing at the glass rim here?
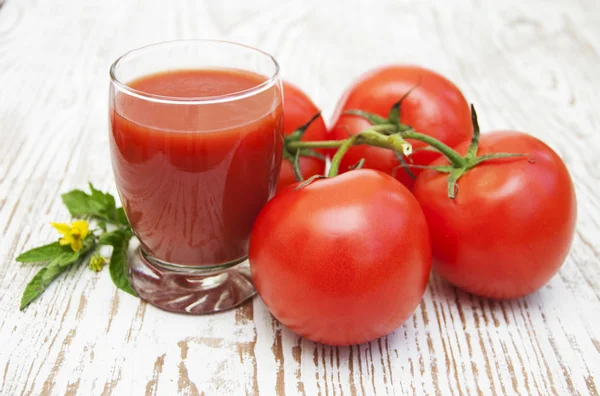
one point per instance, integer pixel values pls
(268, 83)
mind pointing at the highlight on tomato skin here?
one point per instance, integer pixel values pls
(342, 260)
(298, 108)
(511, 225)
(435, 107)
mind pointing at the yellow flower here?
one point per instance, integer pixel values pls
(97, 262)
(73, 234)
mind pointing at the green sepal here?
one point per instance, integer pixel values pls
(373, 118)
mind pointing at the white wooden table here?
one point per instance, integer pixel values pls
(529, 65)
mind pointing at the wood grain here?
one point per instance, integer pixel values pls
(529, 65)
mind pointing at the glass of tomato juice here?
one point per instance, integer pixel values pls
(196, 145)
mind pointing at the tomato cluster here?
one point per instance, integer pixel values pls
(346, 259)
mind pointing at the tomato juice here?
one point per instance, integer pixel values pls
(196, 155)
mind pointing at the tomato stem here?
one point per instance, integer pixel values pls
(487, 157)
(294, 157)
(311, 153)
(455, 159)
(391, 135)
(299, 132)
(308, 181)
(374, 119)
(404, 165)
(316, 144)
(452, 179)
(370, 136)
(339, 154)
(296, 167)
(474, 146)
(358, 165)
(394, 141)
(394, 115)
(387, 127)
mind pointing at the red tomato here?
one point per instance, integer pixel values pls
(309, 166)
(436, 107)
(297, 110)
(510, 227)
(343, 260)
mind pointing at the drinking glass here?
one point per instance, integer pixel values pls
(196, 148)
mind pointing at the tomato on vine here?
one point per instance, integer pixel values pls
(341, 260)
(501, 208)
(435, 107)
(509, 222)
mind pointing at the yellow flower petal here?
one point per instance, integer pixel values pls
(76, 245)
(62, 228)
(82, 226)
(73, 234)
(65, 240)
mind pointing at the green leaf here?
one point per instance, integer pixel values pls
(105, 198)
(80, 204)
(106, 201)
(99, 205)
(101, 224)
(121, 217)
(43, 253)
(119, 240)
(40, 282)
(66, 259)
(58, 265)
(71, 257)
(114, 238)
(118, 268)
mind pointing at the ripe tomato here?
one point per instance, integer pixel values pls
(510, 227)
(436, 107)
(309, 166)
(342, 260)
(297, 110)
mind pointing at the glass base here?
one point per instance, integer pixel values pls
(191, 290)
